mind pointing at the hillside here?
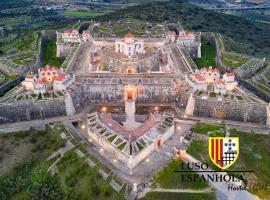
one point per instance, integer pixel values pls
(248, 36)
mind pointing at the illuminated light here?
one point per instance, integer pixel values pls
(178, 128)
(83, 126)
(114, 160)
(219, 121)
(147, 160)
(90, 140)
(101, 150)
(185, 116)
(156, 108)
(104, 109)
(130, 172)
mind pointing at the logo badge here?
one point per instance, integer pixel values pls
(223, 151)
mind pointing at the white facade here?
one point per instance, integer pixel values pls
(71, 36)
(201, 79)
(186, 39)
(64, 82)
(197, 81)
(29, 82)
(86, 36)
(229, 79)
(129, 46)
(171, 36)
(210, 74)
(46, 76)
(40, 87)
(220, 87)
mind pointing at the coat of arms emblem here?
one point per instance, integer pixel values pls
(223, 151)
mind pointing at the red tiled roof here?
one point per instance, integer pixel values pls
(54, 68)
(40, 82)
(199, 77)
(230, 74)
(171, 33)
(129, 35)
(29, 77)
(60, 77)
(210, 69)
(220, 82)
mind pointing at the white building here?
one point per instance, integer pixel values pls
(71, 36)
(40, 87)
(129, 46)
(210, 74)
(48, 76)
(171, 35)
(86, 36)
(198, 82)
(219, 86)
(29, 81)
(63, 81)
(189, 41)
(229, 79)
(201, 79)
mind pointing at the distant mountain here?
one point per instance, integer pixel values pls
(250, 37)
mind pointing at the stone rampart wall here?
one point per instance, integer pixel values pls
(236, 111)
(31, 109)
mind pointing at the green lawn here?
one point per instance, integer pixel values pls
(179, 196)
(49, 54)
(254, 155)
(167, 178)
(233, 61)
(204, 128)
(208, 56)
(80, 181)
(82, 14)
(28, 177)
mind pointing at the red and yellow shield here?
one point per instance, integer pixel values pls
(223, 151)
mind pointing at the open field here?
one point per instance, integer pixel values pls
(81, 181)
(24, 169)
(82, 14)
(233, 61)
(208, 56)
(23, 164)
(203, 128)
(50, 54)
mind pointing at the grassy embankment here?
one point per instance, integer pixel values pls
(254, 155)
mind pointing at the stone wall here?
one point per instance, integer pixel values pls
(31, 109)
(120, 65)
(149, 90)
(228, 110)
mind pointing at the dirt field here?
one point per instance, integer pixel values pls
(13, 151)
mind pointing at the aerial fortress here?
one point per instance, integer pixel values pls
(100, 69)
(127, 98)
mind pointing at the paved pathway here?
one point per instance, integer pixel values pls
(147, 190)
